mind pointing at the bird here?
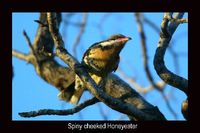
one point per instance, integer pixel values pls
(100, 59)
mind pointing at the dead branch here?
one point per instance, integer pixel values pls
(45, 65)
(115, 103)
(144, 52)
(20, 55)
(60, 112)
(138, 87)
(167, 31)
(146, 66)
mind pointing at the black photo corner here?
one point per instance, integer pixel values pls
(150, 117)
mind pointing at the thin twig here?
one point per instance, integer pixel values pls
(30, 45)
(168, 105)
(176, 19)
(102, 112)
(82, 29)
(20, 55)
(42, 24)
(60, 112)
(65, 20)
(35, 55)
(144, 52)
(137, 86)
(151, 24)
(100, 24)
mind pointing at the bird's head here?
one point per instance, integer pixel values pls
(115, 41)
(104, 55)
(114, 44)
(107, 48)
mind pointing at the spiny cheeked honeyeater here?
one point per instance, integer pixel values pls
(99, 60)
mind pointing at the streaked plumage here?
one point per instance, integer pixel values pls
(99, 60)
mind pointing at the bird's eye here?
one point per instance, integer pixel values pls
(107, 47)
(113, 38)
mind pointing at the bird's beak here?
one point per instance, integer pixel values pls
(125, 39)
(129, 38)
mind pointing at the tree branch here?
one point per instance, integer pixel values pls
(144, 52)
(171, 50)
(137, 86)
(46, 66)
(112, 102)
(175, 57)
(168, 105)
(151, 24)
(159, 65)
(102, 112)
(60, 112)
(30, 45)
(146, 66)
(21, 56)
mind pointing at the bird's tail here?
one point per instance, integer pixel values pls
(73, 93)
